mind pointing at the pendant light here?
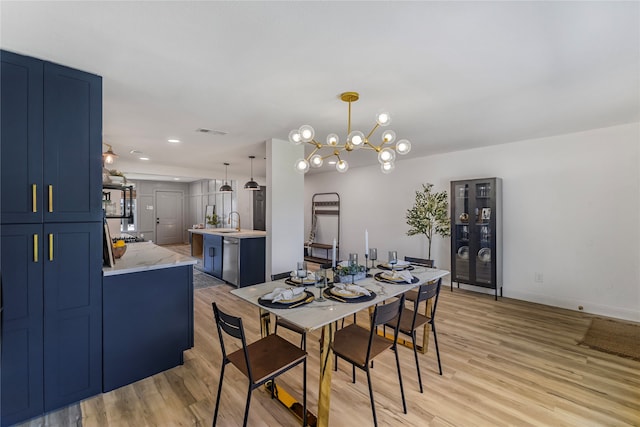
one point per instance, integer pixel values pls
(226, 188)
(251, 184)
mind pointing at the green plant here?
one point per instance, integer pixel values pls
(429, 214)
(349, 270)
(212, 219)
(115, 172)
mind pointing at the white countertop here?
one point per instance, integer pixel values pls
(145, 256)
(230, 232)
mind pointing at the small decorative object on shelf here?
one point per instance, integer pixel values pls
(119, 248)
(117, 177)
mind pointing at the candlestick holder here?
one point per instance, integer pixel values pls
(366, 265)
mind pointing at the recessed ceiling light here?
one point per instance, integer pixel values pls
(144, 158)
(332, 162)
(176, 179)
(135, 152)
(174, 141)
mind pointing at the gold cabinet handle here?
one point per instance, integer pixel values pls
(50, 247)
(51, 198)
(34, 196)
(35, 248)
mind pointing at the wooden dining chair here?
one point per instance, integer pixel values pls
(413, 294)
(410, 320)
(285, 323)
(260, 361)
(359, 346)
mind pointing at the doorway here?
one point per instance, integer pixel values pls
(169, 217)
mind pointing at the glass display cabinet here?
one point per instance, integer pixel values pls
(476, 233)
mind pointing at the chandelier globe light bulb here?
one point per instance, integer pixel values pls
(388, 136)
(302, 166)
(306, 133)
(333, 139)
(386, 155)
(316, 160)
(387, 167)
(294, 137)
(342, 166)
(403, 146)
(383, 118)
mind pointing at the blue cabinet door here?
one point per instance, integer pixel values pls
(72, 145)
(21, 139)
(72, 313)
(212, 256)
(21, 322)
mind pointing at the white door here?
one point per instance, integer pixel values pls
(168, 217)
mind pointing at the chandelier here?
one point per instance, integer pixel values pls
(355, 140)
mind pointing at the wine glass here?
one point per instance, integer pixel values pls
(321, 282)
(373, 254)
(301, 271)
(393, 259)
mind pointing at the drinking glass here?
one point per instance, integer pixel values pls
(301, 271)
(373, 255)
(321, 283)
(353, 260)
(393, 258)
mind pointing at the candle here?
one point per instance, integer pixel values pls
(366, 241)
(333, 254)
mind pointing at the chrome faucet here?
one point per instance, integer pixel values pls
(229, 221)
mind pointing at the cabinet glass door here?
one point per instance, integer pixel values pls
(483, 241)
(461, 232)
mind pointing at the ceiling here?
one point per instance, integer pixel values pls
(454, 75)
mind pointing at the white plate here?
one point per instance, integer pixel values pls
(463, 252)
(484, 254)
(344, 293)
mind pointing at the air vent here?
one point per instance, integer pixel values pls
(211, 131)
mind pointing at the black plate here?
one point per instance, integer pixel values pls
(405, 267)
(329, 295)
(379, 278)
(271, 304)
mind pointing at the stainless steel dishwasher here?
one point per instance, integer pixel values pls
(231, 260)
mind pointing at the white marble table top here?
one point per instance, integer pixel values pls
(317, 314)
(145, 256)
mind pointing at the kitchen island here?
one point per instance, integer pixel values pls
(147, 313)
(235, 256)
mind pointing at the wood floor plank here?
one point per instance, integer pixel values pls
(505, 363)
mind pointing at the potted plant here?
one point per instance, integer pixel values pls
(429, 215)
(117, 177)
(212, 220)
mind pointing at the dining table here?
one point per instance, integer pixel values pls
(310, 315)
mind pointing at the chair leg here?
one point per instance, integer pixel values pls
(246, 409)
(435, 340)
(304, 392)
(215, 412)
(415, 354)
(404, 403)
(353, 373)
(373, 405)
(303, 341)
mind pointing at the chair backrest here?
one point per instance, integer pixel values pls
(280, 276)
(232, 326)
(384, 314)
(426, 292)
(420, 261)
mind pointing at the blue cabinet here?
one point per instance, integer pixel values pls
(50, 150)
(212, 255)
(53, 113)
(148, 323)
(22, 322)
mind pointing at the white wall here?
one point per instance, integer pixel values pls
(285, 206)
(571, 205)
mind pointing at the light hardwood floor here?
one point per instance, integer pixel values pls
(505, 363)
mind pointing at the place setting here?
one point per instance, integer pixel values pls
(348, 293)
(394, 264)
(286, 298)
(301, 276)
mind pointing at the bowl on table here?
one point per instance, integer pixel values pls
(118, 251)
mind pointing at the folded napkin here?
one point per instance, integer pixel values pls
(402, 274)
(279, 294)
(355, 289)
